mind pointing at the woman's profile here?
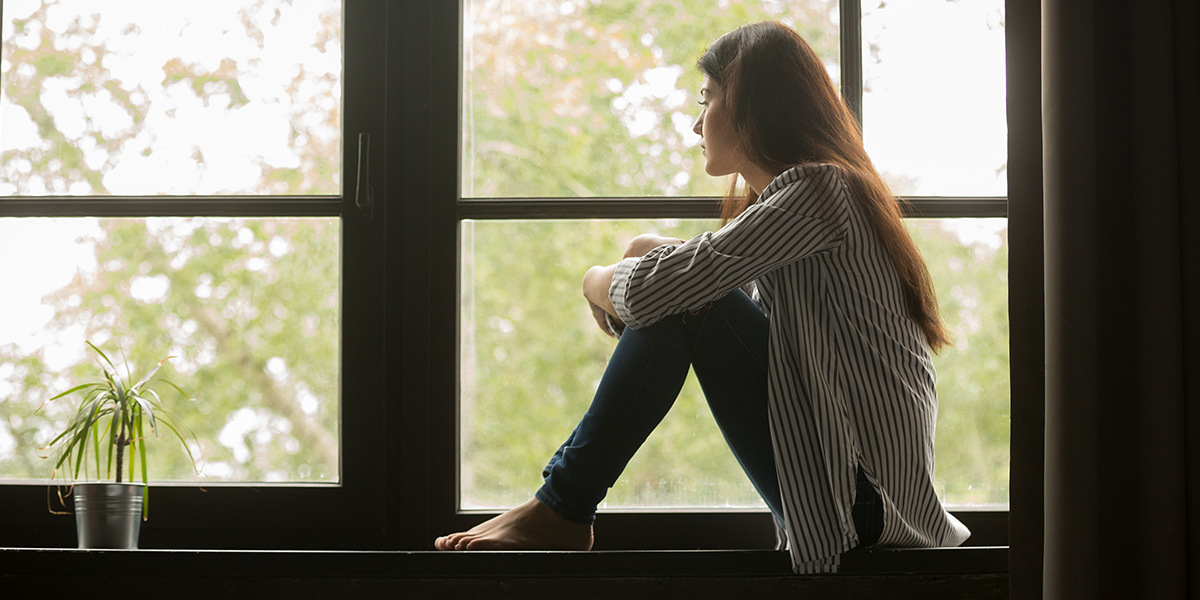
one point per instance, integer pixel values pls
(809, 319)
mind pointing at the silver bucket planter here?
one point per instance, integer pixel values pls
(108, 515)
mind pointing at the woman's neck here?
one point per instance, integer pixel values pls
(757, 178)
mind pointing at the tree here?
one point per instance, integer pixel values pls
(589, 100)
(578, 98)
(248, 306)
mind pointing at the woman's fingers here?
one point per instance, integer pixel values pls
(601, 319)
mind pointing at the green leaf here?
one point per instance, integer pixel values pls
(181, 440)
(79, 459)
(101, 353)
(157, 400)
(96, 445)
(143, 380)
(112, 443)
(131, 454)
(119, 389)
(178, 389)
(148, 411)
(145, 472)
(76, 388)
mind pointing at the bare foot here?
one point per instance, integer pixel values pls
(530, 526)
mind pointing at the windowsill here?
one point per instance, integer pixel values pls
(488, 565)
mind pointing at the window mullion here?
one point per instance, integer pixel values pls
(851, 54)
(696, 208)
(160, 206)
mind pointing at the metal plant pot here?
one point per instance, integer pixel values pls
(108, 515)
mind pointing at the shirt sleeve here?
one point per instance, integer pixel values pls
(671, 279)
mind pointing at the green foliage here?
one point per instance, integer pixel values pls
(532, 358)
(552, 103)
(561, 105)
(85, 142)
(548, 112)
(249, 306)
(973, 376)
(112, 412)
(230, 298)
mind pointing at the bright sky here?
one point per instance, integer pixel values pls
(38, 256)
(935, 106)
(181, 126)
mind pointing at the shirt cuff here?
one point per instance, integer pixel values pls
(620, 288)
(616, 329)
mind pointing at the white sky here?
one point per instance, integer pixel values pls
(936, 109)
(39, 256)
(180, 125)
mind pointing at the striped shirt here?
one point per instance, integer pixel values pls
(850, 377)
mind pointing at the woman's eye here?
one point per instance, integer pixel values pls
(701, 103)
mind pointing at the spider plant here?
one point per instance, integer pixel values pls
(111, 420)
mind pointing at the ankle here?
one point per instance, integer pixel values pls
(561, 512)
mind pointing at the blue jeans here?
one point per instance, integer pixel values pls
(725, 343)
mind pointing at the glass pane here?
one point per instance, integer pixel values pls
(968, 260)
(531, 358)
(249, 308)
(933, 96)
(188, 97)
(591, 98)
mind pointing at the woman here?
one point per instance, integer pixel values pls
(820, 379)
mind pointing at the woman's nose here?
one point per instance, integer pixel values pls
(696, 127)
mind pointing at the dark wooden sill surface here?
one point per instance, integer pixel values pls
(978, 573)
(368, 564)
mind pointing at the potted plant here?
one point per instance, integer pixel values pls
(110, 421)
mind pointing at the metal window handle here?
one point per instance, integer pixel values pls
(364, 194)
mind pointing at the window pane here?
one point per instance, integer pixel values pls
(188, 97)
(968, 260)
(249, 308)
(933, 96)
(590, 98)
(531, 358)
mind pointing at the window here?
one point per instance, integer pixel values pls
(576, 135)
(408, 417)
(187, 181)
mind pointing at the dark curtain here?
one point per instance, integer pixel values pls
(1122, 256)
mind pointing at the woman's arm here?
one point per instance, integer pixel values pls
(598, 279)
(596, 282)
(804, 217)
(597, 296)
(595, 287)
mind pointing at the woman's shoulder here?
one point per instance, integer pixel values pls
(805, 184)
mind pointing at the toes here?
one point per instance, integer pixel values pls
(449, 542)
(483, 544)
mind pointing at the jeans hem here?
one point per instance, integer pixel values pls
(546, 497)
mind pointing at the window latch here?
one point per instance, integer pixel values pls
(364, 194)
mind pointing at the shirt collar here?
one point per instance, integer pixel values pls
(785, 178)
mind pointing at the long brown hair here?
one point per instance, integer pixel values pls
(786, 112)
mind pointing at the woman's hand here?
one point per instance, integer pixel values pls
(596, 282)
(646, 242)
(602, 320)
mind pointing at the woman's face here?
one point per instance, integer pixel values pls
(719, 142)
